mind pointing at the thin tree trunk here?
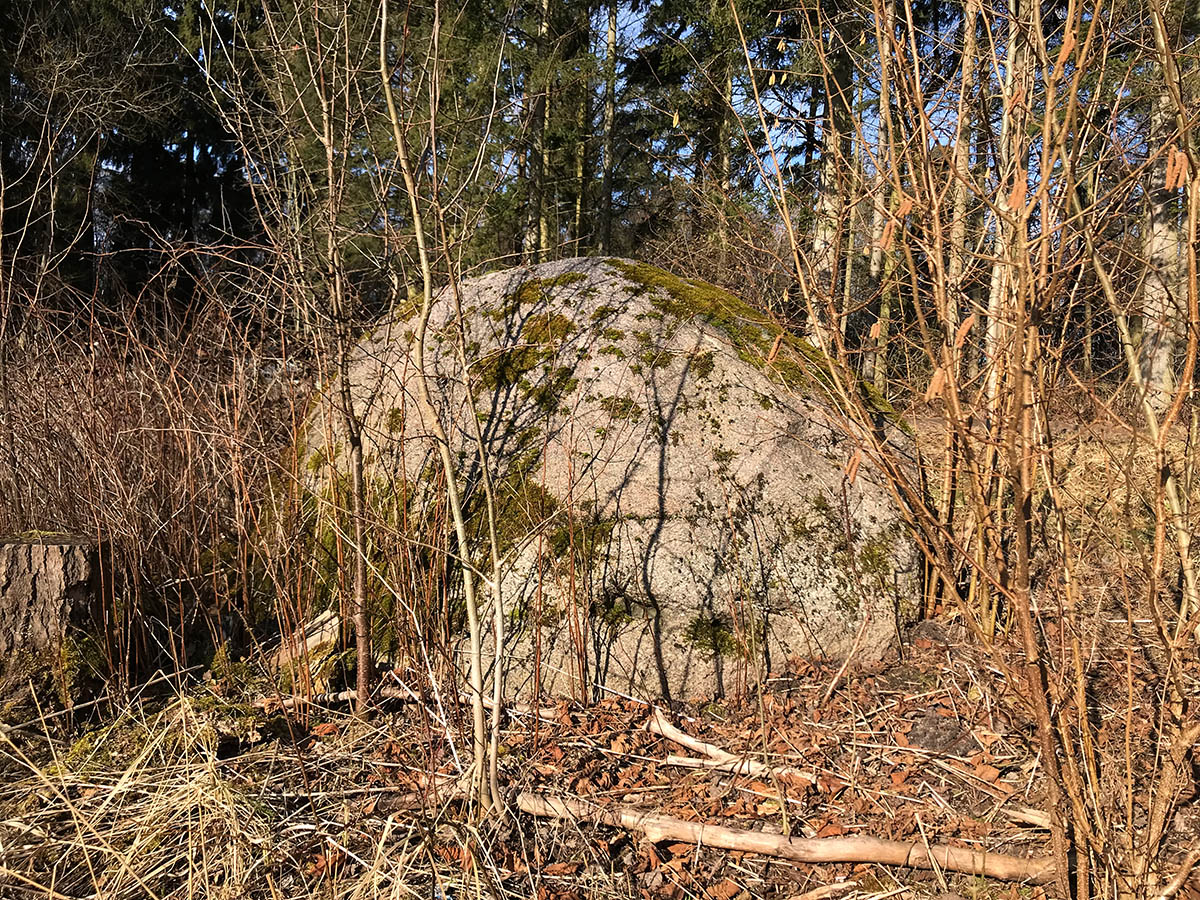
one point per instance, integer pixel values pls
(537, 223)
(521, 228)
(533, 211)
(810, 127)
(724, 165)
(977, 289)
(848, 279)
(1086, 191)
(610, 115)
(1021, 454)
(1160, 309)
(875, 359)
(962, 162)
(940, 584)
(879, 369)
(350, 421)
(544, 208)
(581, 179)
(339, 305)
(856, 153)
(433, 422)
(831, 202)
(1012, 182)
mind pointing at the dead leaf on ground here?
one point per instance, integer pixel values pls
(987, 772)
(832, 828)
(726, 889)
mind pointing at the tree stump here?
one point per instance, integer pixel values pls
(49, 586)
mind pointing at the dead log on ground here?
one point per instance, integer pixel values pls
(856, 849)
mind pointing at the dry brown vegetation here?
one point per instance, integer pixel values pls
(201, 794)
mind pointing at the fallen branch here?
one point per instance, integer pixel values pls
(1181, 876)
(1038, 869)
(827, 890)
(294, 702)
(738, 767)
(660, 725)
(717, 758)
(1026, 816)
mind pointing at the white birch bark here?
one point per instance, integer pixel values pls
(1161, 310)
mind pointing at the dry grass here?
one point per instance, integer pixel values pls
(198, 794)
(149, 807)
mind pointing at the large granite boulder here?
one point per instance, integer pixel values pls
(674, 500)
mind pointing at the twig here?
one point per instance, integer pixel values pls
(827, 890)
(660, 725)
(837, 679)
(937, 870)
(856, 849)
(1181, 877)
(717, 758)
(1027, 816)
(737, 767)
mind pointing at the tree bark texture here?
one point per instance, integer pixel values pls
(1160, 313)
(45, 586)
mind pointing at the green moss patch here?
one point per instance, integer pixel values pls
(112, 746)
(548, 328)
(671, 295)
(606, 311)
(797, 364)
(587, 539)
(536, 290)
(712, 633)
(523, 506)
(505, 369)
(703, 364)
(621, 408)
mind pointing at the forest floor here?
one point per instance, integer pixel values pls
(205, 794)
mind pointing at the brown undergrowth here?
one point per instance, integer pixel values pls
(203, 794)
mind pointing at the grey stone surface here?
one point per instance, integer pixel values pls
(673, 500)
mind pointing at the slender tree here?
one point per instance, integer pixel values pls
(1162, 291)
(608, 128)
